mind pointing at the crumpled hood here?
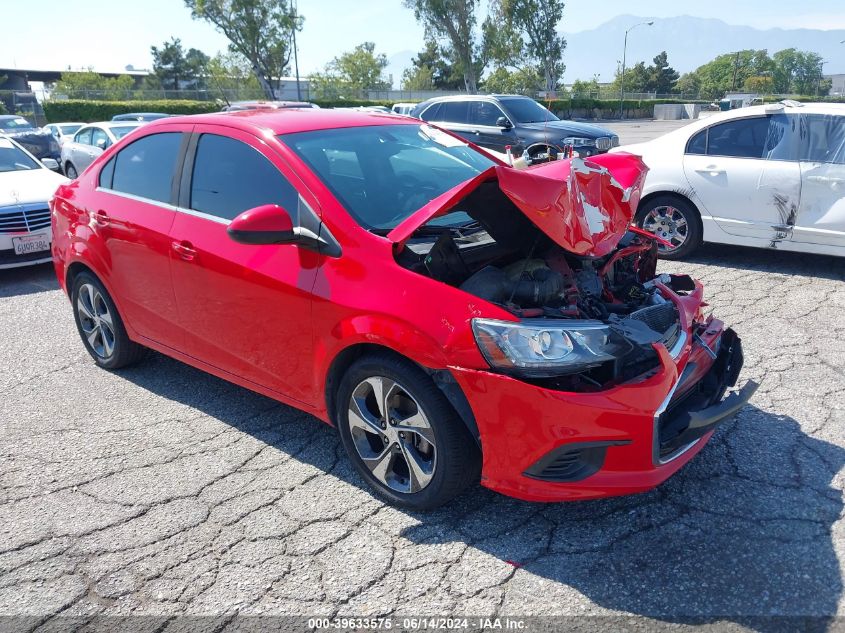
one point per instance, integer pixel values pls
(583, 205)
(570, 128)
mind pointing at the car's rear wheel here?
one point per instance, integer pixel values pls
(402, 435)
(674, 220)
(100, 326)
(70, 171)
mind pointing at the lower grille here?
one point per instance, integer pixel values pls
(571, 462)
(24, 219)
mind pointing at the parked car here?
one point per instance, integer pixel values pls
(449, 314)
(90, 141)
(37, 141)
(63, 132)
(498, 121)
(403, 108)
(770, 176)
(236, 106)
(26, 186)
(140, 116)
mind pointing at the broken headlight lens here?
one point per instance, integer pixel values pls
(540, 348)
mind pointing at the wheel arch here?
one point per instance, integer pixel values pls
(442, 378)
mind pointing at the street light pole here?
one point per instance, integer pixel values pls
(622, 78)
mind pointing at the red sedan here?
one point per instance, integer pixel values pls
(452, 316)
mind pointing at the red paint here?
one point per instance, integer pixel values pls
(269, 217)
(273, 318)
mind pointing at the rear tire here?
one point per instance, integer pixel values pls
(100, 326)
(402, 435)
(674, 219)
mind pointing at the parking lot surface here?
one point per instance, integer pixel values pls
(161, 490)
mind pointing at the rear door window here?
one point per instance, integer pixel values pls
(146, 167)
(230, 177)
(454, 112)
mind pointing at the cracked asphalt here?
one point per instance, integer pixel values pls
(160, 490)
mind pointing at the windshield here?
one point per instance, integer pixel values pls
(526, 110)
(17, 123)
(70, 129)
(122, 130)
(383, 173)
(13, 159)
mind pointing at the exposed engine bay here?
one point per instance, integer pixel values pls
(487, 248)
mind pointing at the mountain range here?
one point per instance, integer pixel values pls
(689, 42)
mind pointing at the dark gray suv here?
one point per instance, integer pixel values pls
(496, 121)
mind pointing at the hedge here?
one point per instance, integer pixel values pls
(80, 110)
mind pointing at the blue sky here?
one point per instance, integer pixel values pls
(117, 33)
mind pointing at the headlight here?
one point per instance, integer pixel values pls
(54, 146)
(539, 348)
(579, 142)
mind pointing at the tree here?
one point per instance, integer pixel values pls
(174, 68)
(662, 77)
(759, 84)
(231, 76)
(535, 22)
(431, 61)
(580, 87)
(688, 84)
(352, 72)
(453, 21)
(797, 72)
(94, 85)
(525, 81)
(260, 30)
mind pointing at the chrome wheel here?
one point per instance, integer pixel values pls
(392, 434)
(668, 223)
(95, 320)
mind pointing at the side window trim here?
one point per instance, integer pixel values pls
(706, 142)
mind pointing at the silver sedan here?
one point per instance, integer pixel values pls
(91, 141)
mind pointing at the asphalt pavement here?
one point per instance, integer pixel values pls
(159, 490)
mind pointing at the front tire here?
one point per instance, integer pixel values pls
(675, 220)
(70, 171)
(402, 435)
(100, 326)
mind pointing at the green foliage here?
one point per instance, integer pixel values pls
(452, 23)
(230, 72)
(79, 110)
(431, 62)
(260, 30)
(174, 68)
(788, 71)
(580, 87)
(659, 77)
(525, 81)
(3, 108)
(74, 83)
(351, 73)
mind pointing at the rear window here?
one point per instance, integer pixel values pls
(145, 168)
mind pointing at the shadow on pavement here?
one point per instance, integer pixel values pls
(28, 280)
(743, 530)
(768, 260)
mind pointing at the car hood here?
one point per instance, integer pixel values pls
(583, 205)
(570, 127)
(28, 134)
(25, 187)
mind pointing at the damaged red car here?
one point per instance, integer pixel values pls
(453, 317)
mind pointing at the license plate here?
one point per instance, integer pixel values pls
(31, 243)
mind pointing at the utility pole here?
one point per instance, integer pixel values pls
(295, 54)
(622, 77)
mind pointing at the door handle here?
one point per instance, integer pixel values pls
(713, 170)
(184, 249)
(101, 218)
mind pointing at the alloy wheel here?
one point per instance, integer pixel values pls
(392, 435)
(96, 321)
(668, 223)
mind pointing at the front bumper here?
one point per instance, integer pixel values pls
(545, 445)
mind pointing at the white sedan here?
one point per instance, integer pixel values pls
(770, 176)
(90, 141)
(26, 186)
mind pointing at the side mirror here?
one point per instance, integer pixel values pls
(267, 224)
(50, 164)
(101, 144)
(504, 122)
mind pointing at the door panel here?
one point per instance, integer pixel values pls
(747, 177)
(245, 309)
(133, 215)
(821, 216)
